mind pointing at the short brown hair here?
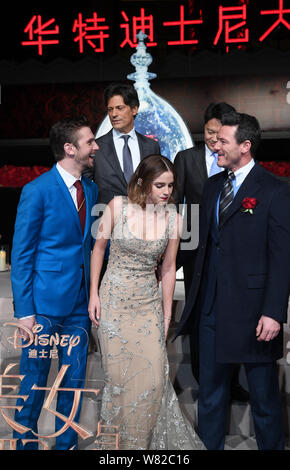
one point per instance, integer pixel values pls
(148, 170)
(248, 128)
(65, 131)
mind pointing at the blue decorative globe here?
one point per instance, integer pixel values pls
(156, 118)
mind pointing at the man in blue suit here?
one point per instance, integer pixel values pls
(50, 270)
(240, 289)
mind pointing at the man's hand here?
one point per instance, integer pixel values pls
(28, 323)
(267, 329)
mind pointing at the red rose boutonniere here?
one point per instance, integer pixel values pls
(249, 204)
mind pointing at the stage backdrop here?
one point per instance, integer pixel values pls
(28, 111)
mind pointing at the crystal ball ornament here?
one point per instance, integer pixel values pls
(156, 118)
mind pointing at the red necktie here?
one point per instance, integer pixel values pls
(81, 203)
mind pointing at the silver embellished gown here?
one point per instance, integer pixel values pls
(138, 396)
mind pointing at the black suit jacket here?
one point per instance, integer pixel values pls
(191, 172)
(190, 167)
(107, 172)
(252, 263)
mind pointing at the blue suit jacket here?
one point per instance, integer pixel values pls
(249, 264)
(49, 251)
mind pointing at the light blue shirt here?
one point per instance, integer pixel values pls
(209, 159)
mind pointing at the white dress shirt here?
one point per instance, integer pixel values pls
(132, 143)
(69, 181)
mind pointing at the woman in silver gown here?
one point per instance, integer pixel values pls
(132, 319)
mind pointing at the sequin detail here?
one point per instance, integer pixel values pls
(138, 395)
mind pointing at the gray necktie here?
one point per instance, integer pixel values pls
(127, 159)
(227, 196)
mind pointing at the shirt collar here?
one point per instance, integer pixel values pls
(117, 134)
(243, 172)
(68, 178)
(208, 152)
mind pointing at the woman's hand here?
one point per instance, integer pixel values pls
(95, 310)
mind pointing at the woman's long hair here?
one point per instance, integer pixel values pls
(148, 170)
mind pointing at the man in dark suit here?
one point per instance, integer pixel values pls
(116, 159)
(193, 167)
(240, 289)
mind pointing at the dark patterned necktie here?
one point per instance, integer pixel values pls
(81, 203)
(227, 196)
(127, 159)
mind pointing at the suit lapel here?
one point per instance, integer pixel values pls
(144, 145)
(110, 154)
(212, 196)
(248, 188)
(89, 205)
(67, 197)
(200, 163)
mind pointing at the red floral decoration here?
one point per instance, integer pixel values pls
(17, 176)
(249, 204)
(278, 168)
